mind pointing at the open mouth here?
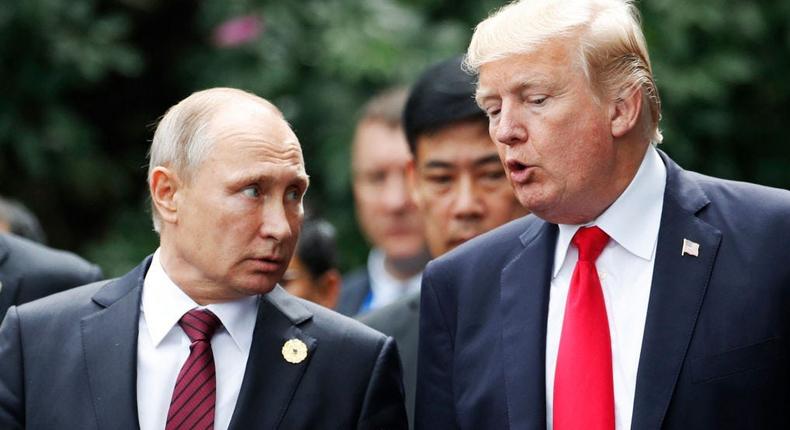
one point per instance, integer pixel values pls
(516, 166)
(519, 172)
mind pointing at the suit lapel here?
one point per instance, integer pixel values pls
(677, 291)
(109, 338)
(524, 298)
(270, 381)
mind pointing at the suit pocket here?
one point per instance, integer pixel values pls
(761, 355)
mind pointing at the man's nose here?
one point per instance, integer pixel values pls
(275, 223)
(395, 193)
(467, 204)
(509, 128)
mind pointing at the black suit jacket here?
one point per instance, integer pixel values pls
(355, 289)
(715, 347)
(29, 270)
(401, 320)
(350, 379)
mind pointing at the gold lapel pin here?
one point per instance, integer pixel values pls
(294, 351)
(690, 248)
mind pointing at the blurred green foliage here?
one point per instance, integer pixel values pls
(84, 81)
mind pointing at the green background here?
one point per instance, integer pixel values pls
(83, 82)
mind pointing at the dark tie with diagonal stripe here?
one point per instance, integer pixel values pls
(194, 396)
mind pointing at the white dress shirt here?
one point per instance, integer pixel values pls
(625, 268)
(163, 347)
(384, 287)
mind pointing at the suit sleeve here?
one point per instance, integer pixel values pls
(11, 373)
(435, 408)
(383, 407)
(95, 274)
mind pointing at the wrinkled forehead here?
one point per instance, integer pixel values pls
(254, 124)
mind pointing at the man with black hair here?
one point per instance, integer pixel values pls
(312, 273)
(457, 182)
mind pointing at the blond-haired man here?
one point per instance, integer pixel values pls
(639, 295)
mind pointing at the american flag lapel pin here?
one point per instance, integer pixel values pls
(690, 248)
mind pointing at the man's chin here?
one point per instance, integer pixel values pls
(256, 284)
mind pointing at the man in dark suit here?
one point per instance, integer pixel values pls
(199, 335)
(458, 185)
(29, 271)
(385, 210)
(639, 295)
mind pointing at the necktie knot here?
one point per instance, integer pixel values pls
(590, 241)
(199, 324)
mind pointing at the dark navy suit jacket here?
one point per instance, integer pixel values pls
(69, 361)
(715, 347)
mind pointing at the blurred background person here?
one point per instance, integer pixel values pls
(385, 210)
(17, 219)
(458, 184)
(312, 273)
(30, 270)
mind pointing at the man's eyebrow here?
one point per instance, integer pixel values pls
(243, 177)
(303, 180)
(489, 159)
(482, 94)
(530, 82)
(438, 164)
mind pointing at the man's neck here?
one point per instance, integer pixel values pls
(405, 268)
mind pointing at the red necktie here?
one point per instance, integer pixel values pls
(194, 396)
(583, 387)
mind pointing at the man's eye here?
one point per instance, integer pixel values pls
(293, 195)
(492, 112)
(538, 101)
(376, 177)
(494, 175)
(439, 179)
(251, 192)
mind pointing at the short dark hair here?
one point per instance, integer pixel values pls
(317, 248)
(443, 95)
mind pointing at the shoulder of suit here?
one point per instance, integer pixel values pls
(746, 207)
(34, 260)
(328, 323)
(753, 195)
(393, 314)
(65, 304)
(493, 244)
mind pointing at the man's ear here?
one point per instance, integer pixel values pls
(625, 110)
(164, 188)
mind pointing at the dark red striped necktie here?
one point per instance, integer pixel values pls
(194, 396)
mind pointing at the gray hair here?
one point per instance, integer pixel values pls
(181, 140)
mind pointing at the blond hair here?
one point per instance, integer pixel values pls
(612, 49)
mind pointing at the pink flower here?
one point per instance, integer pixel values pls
(238, 31)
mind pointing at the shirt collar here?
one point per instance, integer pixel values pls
(633, 219)
(164, 303)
